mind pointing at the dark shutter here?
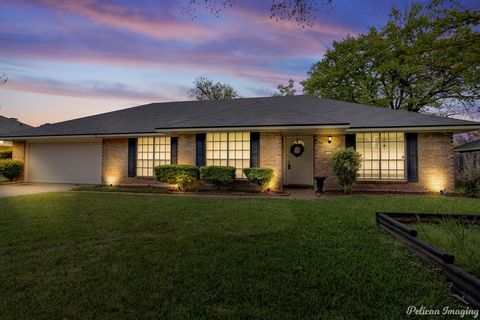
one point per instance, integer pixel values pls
(173, 150)
(254, 149)
(350, 141)
(132, 157)
(201, 149)
(412, 157)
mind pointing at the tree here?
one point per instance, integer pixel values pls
(345, 165)
(427, 58)
(286, 89)
(206, 89)
(301, 11)
(3, 78)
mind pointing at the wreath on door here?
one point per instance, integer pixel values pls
(297, 148)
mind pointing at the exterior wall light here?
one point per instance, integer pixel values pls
(1, 141)
(330, 139)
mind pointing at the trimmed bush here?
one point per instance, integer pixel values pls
(218, 175)
(471, 181)
(182, 175)
(5, 154)
(11, 169)
(345, 165)
(259, 176)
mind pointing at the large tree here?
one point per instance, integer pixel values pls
(301, 11)
(206, 89)
(423, 59)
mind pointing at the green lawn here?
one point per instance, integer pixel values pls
(111, 256)
(463, 241)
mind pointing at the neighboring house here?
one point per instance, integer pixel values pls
(473, 146)
(467, 155)
(402, 151)
(8, 125)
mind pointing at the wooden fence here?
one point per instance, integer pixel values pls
(463, 160)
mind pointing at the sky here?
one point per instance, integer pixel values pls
(71, 58)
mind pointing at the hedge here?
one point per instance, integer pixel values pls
(259, 176)
(181, 174)
(218, 175)
(5, 154)
(11, 169)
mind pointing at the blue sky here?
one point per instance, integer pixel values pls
(72, 58)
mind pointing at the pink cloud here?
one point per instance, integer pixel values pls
(121, 17)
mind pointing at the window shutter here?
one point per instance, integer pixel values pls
(254, 149)
(201, 149)
(173, 150)
(412, 157)
(132, 157)
(350, 141)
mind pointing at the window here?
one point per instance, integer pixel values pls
(229, 149)
(151, 152)
(383, 155)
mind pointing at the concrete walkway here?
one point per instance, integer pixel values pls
(20, 189)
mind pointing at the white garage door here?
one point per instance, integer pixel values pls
(65, 162)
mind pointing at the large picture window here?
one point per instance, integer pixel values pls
(383, 155)
(229, 149)
(151, 152)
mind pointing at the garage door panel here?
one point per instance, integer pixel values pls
(65, 162)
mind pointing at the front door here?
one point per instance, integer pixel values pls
(299, 160)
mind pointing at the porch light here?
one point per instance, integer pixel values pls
(1, 141)
(330, 139)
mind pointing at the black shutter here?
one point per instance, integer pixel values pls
(201, 149)
(350, 141)
(254, 149)
(173, 150)
(412, 157)
(132, 157)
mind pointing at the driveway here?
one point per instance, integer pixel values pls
(20, 189)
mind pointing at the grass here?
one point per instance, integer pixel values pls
(120, 189)
(112, 256)
(462, 240)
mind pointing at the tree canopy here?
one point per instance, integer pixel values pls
(300, 11)
(286, 89)
(206, 89)
(425, 58)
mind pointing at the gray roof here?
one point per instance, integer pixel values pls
(8, 125)
(468, 147)
(245, 112)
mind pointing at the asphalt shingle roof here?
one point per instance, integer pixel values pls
(470, 146)
(8, 125)
(246, 112)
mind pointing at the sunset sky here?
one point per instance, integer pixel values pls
(72, 58)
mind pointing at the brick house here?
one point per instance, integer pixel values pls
(296, 136)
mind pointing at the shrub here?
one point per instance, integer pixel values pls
(11, 169)
(5, 154)
(218, 175)
(345, 165)
(181, 174)
(259, 176)
(471, 181)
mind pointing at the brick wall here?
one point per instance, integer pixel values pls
(323, 155)
(187, 149)
(18, 153)
(271, 156)
(114, 161)
(435, 165)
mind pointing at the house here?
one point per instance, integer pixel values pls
(466, 156)
(473, 146)
(10, 125)
(296, 136)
